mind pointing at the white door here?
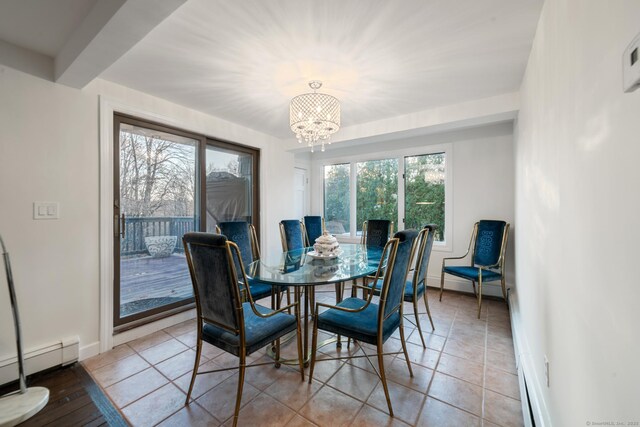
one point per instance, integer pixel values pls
(300, 192)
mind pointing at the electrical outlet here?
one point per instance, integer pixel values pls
(546, 369)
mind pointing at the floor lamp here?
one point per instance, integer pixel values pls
(24, 403)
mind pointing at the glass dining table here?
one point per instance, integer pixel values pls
(303, 271)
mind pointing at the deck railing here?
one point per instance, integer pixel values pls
(137, 228)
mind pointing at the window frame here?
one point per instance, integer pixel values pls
(399, 155)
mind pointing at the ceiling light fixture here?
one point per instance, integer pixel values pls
(314, 117)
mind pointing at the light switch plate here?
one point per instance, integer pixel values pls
(46, 210)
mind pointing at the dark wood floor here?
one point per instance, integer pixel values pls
(74, 400)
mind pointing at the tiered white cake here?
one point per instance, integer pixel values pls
(326, 245)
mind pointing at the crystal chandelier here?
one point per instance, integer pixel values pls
(314, 117)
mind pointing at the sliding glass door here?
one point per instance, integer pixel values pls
(168, 182)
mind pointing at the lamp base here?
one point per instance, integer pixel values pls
(17, 407)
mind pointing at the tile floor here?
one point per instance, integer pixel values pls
(465, 377)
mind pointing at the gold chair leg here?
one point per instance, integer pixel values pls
(195, 368)
(314, 344)
(338, 287)
(277, 354)
(299, 339)
(404, 348)
(383, 377)
(241, 369)
(479, 297)
(504, 289)
(415, 313)
(441, 284)
(473, 283)
(426, 304)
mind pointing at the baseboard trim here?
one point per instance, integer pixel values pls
(534, 409)
(492, 288)
(63, 352)
(89, 350)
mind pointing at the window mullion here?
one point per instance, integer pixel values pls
(353, 199)
(400, 194)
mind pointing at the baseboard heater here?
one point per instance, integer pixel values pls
(61, 353)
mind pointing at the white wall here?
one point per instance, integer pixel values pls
(482, 163)
(577, 202)
(49, 152)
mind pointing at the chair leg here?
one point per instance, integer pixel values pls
(404, 349)
(277, 354)
(338, 287)
(415, 313)
(426, 304)
(195, 368)
(479, 296)
(383, 377)
(441, 284)
(473, 283)
(241, 369)
(504, 289)
(299, 339)
(314, 344)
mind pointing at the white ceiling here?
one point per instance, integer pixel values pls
(42, 26)
(243, 60)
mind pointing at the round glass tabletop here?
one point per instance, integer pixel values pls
(298, 268)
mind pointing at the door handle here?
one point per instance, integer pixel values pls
(123, 228)
(116, 225)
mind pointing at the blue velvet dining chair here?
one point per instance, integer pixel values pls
(292, 234)
(376, 232)
(244, 236)
(489, 243)
(416, 287)
(314, 227)
(224, 320)
(365, 321)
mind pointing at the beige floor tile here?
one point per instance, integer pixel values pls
(263, 411)
(458, 393)
(155, 407)
(177, 365)
(502, 410)
(406, 402)
(500, 344)
(502, 382)
(107, 358)
(461, 368)
(119, 370)
(398, 372)
(189, 339)
(419, 355)
(354, 381)
(501, 361)
(182, 328)
(210, 352)
(433, 341)
(330, 407)
(439, 414)
(292, 391)
(263, 376)
(130, 389)
(193, 416)
(299, 421)
(149, 341)
(465, 350)
(204, 382)
(325, 369)
(163, 351)
(467, 336)
(370, 416)
(220, 401)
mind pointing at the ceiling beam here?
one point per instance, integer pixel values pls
(26, 60)
(110, 30)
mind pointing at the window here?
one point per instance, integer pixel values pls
(336, 198)
(424, 192)
(377, 191)
(411, 189)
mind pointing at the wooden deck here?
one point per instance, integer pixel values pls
(150, 278)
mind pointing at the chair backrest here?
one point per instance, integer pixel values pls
(314, 226)
(490, 242)
(291, 234)
(392, 292)
(376, 232)
(425, 245)
(242, 234)
(213, 276)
